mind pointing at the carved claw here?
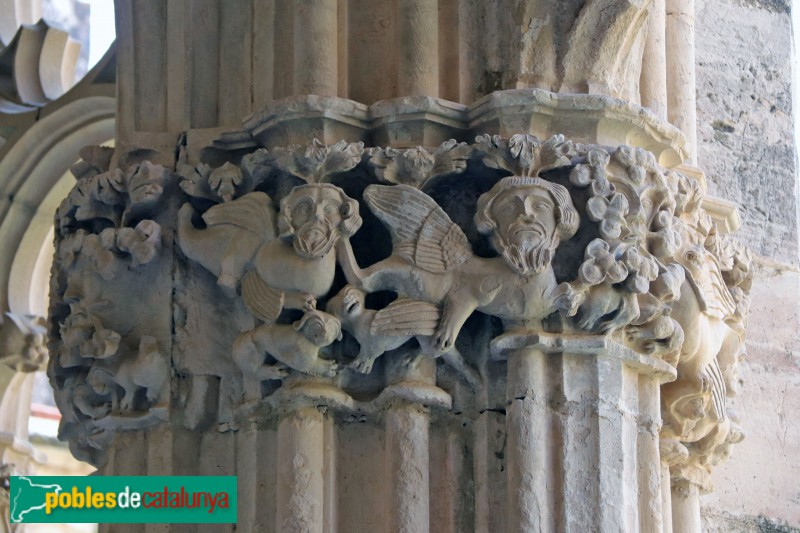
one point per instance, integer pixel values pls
(300, 300)
(310, 303)
(446, 334)
(276, 371)
(326, 369)
(126, 403)
(363, 365)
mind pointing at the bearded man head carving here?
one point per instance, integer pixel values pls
(315, 216)
(527, 218)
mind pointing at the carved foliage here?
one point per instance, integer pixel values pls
(22, 342)
(106, 375)
(649, 269)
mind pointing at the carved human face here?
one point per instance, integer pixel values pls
(315, 219)
(348, 304)
(526, 227)
(145, 186)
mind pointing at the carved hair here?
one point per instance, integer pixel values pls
(565, 214)
(348, 209)
(329, 323)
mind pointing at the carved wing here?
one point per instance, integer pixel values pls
(262, 300)
(422, 233)
(718, 388)
(405, 317)
(710, 286)
(253, 212)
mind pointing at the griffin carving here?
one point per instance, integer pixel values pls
(379, 331)
(433, 261)
(278, 261)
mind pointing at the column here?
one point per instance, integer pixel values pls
(418, 47)
(315, 47)
(527, 423)
(686, 507)
(648, 462)
(681, 97)
(300, 466)
(407, 427)
(576, 407)
(653, 82)
(688, 480)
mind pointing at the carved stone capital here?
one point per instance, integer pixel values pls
(22, 342)
(542, 244)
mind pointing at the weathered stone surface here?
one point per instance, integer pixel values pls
(597, 271)
(754, 483)
(746, 145)
(259, 360)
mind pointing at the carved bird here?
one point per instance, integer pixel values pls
(379, 331)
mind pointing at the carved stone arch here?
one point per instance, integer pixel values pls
(32, 174)
(15, 13)
(605, 44)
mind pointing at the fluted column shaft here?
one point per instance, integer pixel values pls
(582, 434)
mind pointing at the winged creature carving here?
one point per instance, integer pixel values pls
(432, 260)
(697, 407)
(379, 331)
(277, 260)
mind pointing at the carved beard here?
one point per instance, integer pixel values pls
(314, 239)
(526, 257)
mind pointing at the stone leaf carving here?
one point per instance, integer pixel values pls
(141, 242)
(84, 337)
(543, 235)
(415, 166)
(314, 163)
(114, 195)
(525, 154)
(22, 342)
(219, 184)
(107, 375)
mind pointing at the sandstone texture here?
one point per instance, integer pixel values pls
(747, 149)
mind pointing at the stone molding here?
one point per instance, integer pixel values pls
(22, 352)
(426, 121)
(40, 63)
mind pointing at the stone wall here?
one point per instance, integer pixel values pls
(747, 149)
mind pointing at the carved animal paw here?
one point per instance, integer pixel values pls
(300, 300)
(276, 371)
(446, 335)
(126, 404)
(362, 365)
(326, 369)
